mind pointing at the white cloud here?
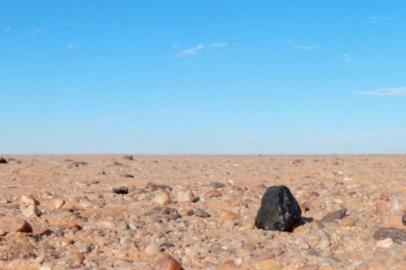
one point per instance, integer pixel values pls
(199, 48)
(217, 45)
(70, 46)
(300, 46)
(347, 57)
(192, 51)
(378, 19)
(36, 32)
(395, 91)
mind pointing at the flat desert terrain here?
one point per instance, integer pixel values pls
(128, 212)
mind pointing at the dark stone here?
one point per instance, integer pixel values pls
(279, 210)
(128, 157)
(167, 213)
(166, 245)
(153, 187)
(217, 185)
(201, 213)
(339, 214)
(172, 213)
(77, 164)
(3, 160)
(127, 175)
(404, 219)
(397, 235)
(120, 190)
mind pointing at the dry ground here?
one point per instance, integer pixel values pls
(200, 210)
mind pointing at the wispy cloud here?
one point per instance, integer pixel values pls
(300, 46)
(70, 46)
(395, 91)
(347, 57)
(200, 48)
(378, 19)
(37, 32)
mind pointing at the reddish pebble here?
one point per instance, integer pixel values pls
(213, 193)
(167, 263)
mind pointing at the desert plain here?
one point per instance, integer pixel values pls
(198, 212)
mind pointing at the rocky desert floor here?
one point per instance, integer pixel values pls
(198, 212)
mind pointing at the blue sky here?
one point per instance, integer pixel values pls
(202, 76)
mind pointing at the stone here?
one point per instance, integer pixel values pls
(26, 200)
(397, 235)
(279, 210)
(385, 243)
(11, 224)
(31, 211)
(213, 193)
(167, 262)
(202, 213)
(120, 190)
(217, 185)
(128, 157)
(185, 196)
(333, 216)
(3, 160)
(166, 245)
(162, 199)
(228, 215)
(348, 221)
(404, 219)
(58, 203)
(266, 264)
(382, 206)
(152, 249)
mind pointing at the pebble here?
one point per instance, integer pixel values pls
(167, 262)
(348, 221)
(26, 200)
(386, 243)
(162, 199)
(202, 213)
(333, 216)
(185, 196)
(397, 235)
(31, 211)
(11, 224)
(213, 193)
(152, 249)
(120, 190)
(58, 203)
(404, 219)
(382, 206)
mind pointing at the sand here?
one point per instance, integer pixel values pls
(200, 210)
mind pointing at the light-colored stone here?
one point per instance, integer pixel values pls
(27, 200)
(162, 199)
(152, 249)
(58, 203)
(31, 211)
(185, 196)
(385, 243)
(11, 224)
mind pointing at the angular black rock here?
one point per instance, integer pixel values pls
(3, 160)
(279, 210)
